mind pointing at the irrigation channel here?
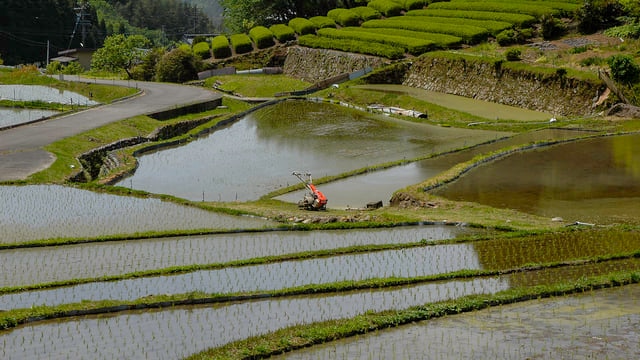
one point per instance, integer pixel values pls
(255, 156)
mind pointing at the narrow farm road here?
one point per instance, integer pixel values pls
(21, 148)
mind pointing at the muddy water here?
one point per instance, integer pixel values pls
(10, 117)
(178, 332)
(596, 180)
(57, 263)
(257, 154)
(602, 324)
(50, 211)
(357, 191)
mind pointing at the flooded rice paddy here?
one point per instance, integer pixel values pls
(602, 324)
(43, 93)
(257, 154)
(12, 117)
(594, 180)
(51, 211)
(181, 331)
(58, 263)
(356, 191)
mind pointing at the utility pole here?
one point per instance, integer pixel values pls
(82, 20)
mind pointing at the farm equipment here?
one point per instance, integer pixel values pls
(313, 199)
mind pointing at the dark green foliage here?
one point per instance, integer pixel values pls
(241, 43)
(598, 14)
(146, 70)
(552, 28)
(513, 36)
(177, 66)
(512, 54)
(283, 32)
(220, 47)
(302, 26)
(262, 37)
(593, 60)
(624, 69)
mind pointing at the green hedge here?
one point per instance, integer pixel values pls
(241, 43)
(202, 49)
(560, 8)
(414, 46)
(283, 32)
(344, 17)
(220, 47)
(362, 47)
(469, 34)
(302, 26)
(386, 7)
(366, 13)
(534, 10)
(262, 37)
(521, 20)
(493, 26)
(415, 4)
(443, 41)
(322, 22)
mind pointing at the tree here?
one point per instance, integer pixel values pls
(598, 14)
(178, 66)
(120, 52)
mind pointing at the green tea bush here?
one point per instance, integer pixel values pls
(344, 17)
(362, 47)
(521, 20)
(386, 7)
(202, 49)
(469, 34)
(262, 37)
(414, 4)
(515, 7)
(220, 47)
(302, 26)
(493, 26)
(414, 46)
(443, 41)
(322, 22)
(366, 13)
(513, 54)
(241, 43)
(283, 32)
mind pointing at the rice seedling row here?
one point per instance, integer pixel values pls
(178, 332)
(58, 263)
(51, 211)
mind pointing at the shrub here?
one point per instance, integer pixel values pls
(283, 32)
(415, 46)
(323, 22)
(592, 60)
(178, 66)
(513, 54)
(624, 69)
(513, 36)
(241, 43)
(529, 8)
(202, 49)
(492, 25)
(366, 13)
(598, 14)
(521, 20)
(552, 27)
(262, 37)
(73, 68)
(344, 17)
(220, 47)
(302, 26)
(439, 40)
(469, 34)
(54, 67)
(386, 7)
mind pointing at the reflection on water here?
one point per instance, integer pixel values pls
(257, 154)
(9, 117)
(43, 93)
(595, 180)
(356, 191)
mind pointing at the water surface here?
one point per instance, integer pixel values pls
(10, 117)
(257, 154)
(43, 93)
(595, 180)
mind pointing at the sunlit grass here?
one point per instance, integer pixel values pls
(257, 85)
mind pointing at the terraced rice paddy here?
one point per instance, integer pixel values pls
(12, 117)
(51, 211)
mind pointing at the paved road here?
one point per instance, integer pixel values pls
(21, 148)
